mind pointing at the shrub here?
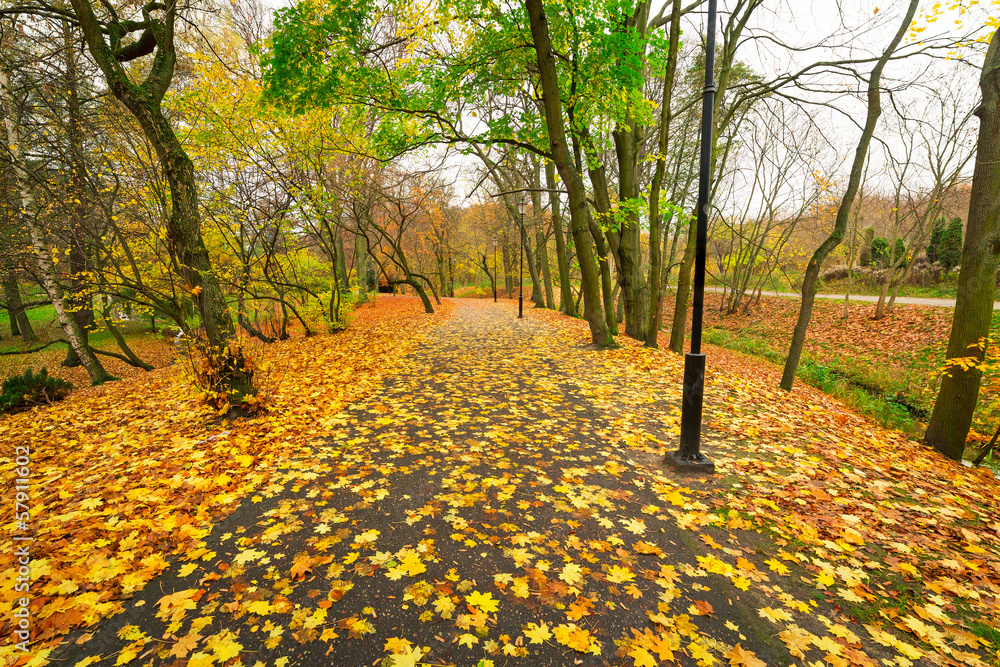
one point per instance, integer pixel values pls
(20, 392)
(866, 258)
(237, 379)
(934, 247)
(899, 253)
(879, 252)
(950, 247)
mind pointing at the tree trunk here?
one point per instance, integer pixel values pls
(607, 284)
(655, 217)
(361, 266)
(843, 213)
(43, 254)
(634, 295)
(880, 306)
(345, 280)
(578, 207)
(541, 247)
(537, 296)
(566, 303)
(508, 274)
(183, 225)
(956, 401)
(678, 328)
(77, 301)
(19, 323)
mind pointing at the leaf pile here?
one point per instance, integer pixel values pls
(497, 498)
(126, 475)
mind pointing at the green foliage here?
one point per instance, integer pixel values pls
(422, 70)
(934, 246)
(879, 252)
(20, 392)
(866, 247)
(950, 248)
(899, 254)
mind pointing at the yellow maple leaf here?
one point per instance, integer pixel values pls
(187, 569)
(201, 660)
(699, 653)
(637, 526)
(468, 640)
(642, 657)
(482, 601)
(572, 574)
(570, 635)
(797, 643)
(620, 575)
(777, 566)
(740, 657)
(775, 615)
(176, 605)
(223, 646)
(537, 633)
(520, 588)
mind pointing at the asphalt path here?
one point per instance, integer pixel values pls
(906, 300)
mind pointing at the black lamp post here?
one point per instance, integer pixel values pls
(688, 456)
(494, 268)
(522, 205)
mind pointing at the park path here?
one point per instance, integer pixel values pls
(481, 494)
(903, 300)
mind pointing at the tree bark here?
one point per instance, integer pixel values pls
(566, 302)
(361, 265)
(678, 328)
(43, 254)
(183, 225)
(956, 401)
(578, 206)
(655, 217)
(541, 245)
(77, 301)
(843, 213)
(19, 323)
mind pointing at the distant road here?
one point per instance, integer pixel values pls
(908, 300)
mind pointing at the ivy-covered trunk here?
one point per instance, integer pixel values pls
(956, 401)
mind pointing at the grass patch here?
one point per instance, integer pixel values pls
(874, 397)
(984, 631)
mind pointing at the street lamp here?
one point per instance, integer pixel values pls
(522, 206)
(494, 268)
(688, 456)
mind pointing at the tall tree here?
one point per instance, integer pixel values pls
(578, 208)
(106, 35)
(956, 401)
(844, 211)
(42, 250)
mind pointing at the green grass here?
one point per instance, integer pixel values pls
(946, 289)
(46, 327)
(874, 397)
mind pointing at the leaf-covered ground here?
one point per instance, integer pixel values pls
(473, 489)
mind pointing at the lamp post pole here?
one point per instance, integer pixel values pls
(688, 456)
(521, 206)
(494, 268)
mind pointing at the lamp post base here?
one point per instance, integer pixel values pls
(688, 457)
(520, 306)
(697, 463)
